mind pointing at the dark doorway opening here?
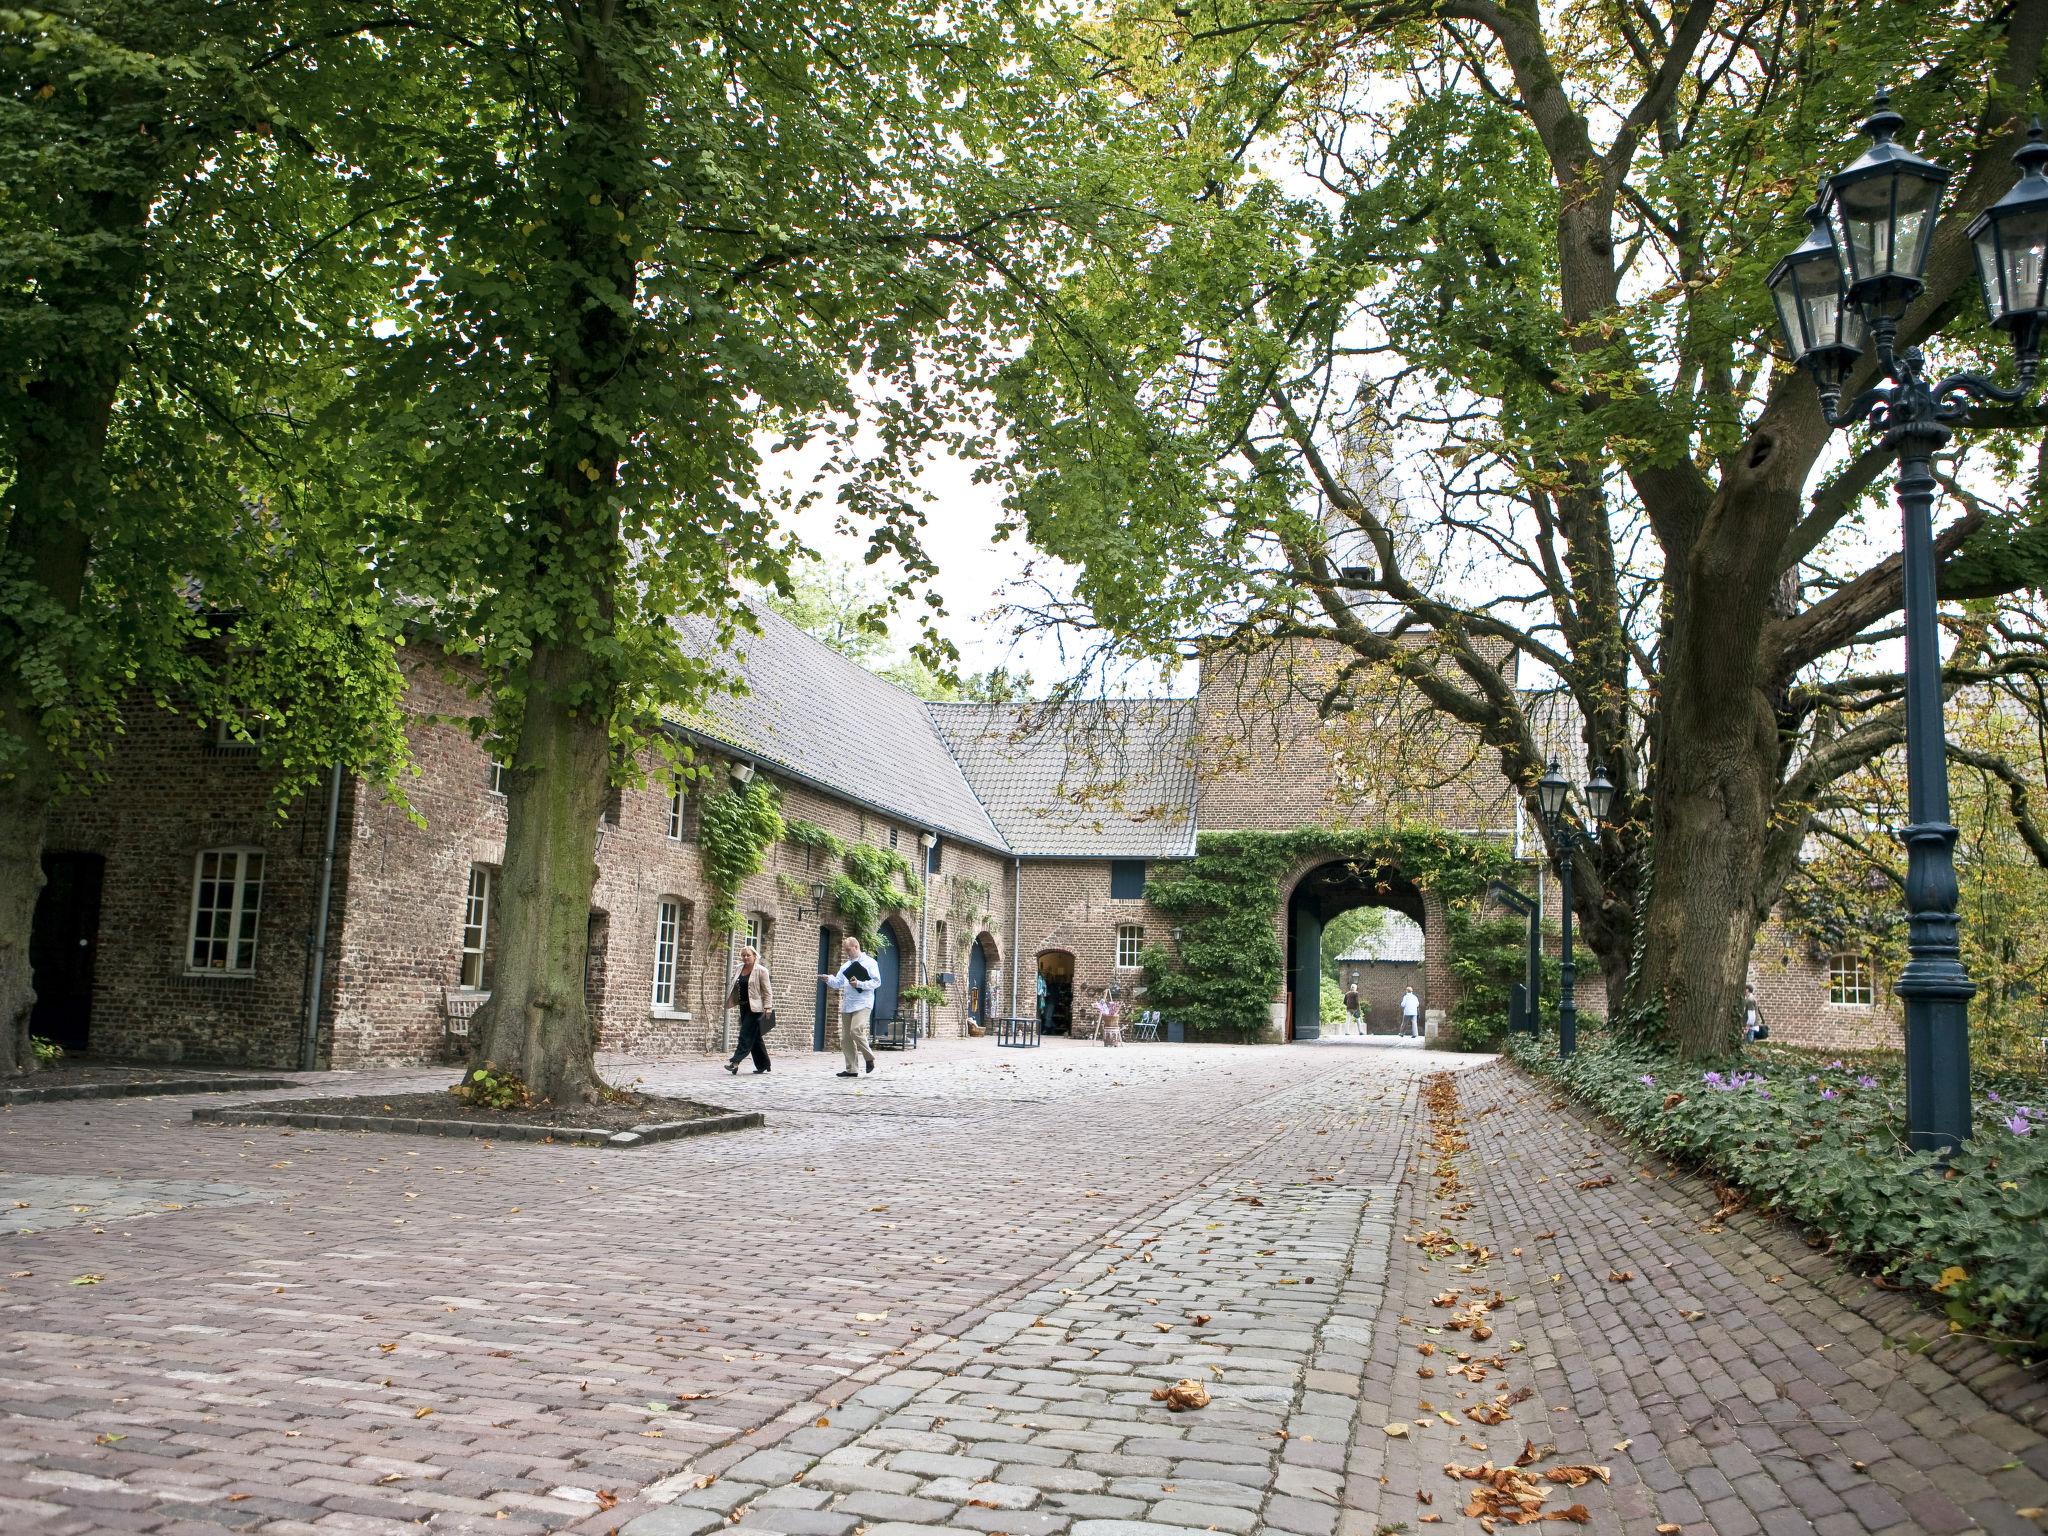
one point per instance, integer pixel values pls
(889, 961)
(1056, 1003)
(64, 937)
(1320, 895)
(977, 980)
(828, 960)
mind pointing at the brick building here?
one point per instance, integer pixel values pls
(187, 919)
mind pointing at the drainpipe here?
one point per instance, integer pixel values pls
(927, 842)
(309, 1046)
(1016, 928)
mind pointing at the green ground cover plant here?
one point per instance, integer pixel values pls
(1822, 1139)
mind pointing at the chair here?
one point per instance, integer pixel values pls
(1146, 1026)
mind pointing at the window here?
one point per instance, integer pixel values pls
(667, 926)
(931, 857)
(476, 927)
(227, 896)
(1130, 946)
(939, 947)
(678, 814)
(1126, 879)
(1850, 980)
(497, 778)
(892, 837)
(757, 933)
(229, 734)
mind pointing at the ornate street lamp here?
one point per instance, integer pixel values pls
(1878, 218)
(1554, 800)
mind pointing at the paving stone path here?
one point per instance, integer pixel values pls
(940, 1298)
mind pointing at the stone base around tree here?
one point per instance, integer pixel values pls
(374, 1112)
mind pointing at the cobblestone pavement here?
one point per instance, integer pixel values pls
(940, 1297)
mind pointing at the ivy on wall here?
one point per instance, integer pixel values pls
(735, 829)
(1222, 973)
(873, 881)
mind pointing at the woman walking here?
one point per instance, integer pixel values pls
(757, 1011)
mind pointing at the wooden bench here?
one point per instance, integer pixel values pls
(458, 1007)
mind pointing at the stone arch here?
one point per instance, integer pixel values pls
(1321, 888)
(1056, 971)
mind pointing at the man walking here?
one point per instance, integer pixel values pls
(1351, 1005)
(855, 982)
(1411, 1014)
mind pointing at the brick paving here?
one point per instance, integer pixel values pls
(939, 1298)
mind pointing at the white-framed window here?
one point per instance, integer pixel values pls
(1130, 946)
(668, 926)
(476, 926)
(227, 899)
(1850, 979)
(496, 781)
(678, 813)
(229, 734)
(757, 933)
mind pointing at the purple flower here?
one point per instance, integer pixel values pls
(1992, 1095)
(1763, 1093)
(1865, 1080)
(1827, 1093)
(2020, 1125)
(1712, 1080)
(1835, 1065)
(1647, 1081)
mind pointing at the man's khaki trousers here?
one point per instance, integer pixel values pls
(853, 1038)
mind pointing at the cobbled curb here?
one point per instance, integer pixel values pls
(141, 1090)
(2019, 1391)
(635, 1136)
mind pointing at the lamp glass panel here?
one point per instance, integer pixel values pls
(2023, 258)
(1990, 271)
(1820, 302)
(1551, 791)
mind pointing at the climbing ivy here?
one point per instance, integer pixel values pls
(735, 830)
(1225, 967)
(814, 838)
(876, 880)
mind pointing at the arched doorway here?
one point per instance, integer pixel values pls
(981, 966)
(828, 961)
(1056, 992)
(1321, 894)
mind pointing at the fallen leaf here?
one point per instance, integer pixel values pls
(421, 1413)
(1573, 1476)
(606, 1499)
(1619, 1276)
(88, 1280)
(1183, 1394)
(1602, 1182)
(822, 1423)
(1396, 1430)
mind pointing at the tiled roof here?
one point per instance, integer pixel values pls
(814, 714)
(1104, 779)
(1398, 942)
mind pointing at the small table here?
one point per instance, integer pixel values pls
(897, 1034)
(1017, 1030)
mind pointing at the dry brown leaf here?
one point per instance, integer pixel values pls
(1182, 1395)
(1396, 1430)
(1602, 1182)
(1619, 1276)
(1573, 1476)
(422, 1413)
(606, 1499)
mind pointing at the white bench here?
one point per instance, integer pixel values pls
(458, 1006)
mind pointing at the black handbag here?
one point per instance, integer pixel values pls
(767, 1021)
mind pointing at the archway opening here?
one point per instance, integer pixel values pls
(894, 953)
(1056, 992)
(1321, 896)
(982, 974)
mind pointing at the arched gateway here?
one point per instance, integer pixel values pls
(1325, 891)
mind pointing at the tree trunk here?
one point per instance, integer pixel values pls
(537, 1025)
(23, 813)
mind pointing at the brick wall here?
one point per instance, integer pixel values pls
(1791, 984)
(168, 793)
(1380, 984)
(1067, 907)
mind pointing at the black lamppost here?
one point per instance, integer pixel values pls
(1847, 287)
(1554, 799)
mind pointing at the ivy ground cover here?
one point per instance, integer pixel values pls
(1823, 1140)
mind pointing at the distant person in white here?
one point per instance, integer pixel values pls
(1411, 1013)
(855, 982)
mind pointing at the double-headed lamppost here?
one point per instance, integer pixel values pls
(1554, 800)
(1841, 292)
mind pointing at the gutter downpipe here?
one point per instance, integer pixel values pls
(309, 1045)
(1016, 927)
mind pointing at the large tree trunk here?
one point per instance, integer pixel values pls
(537, 1025)
(58, 448)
